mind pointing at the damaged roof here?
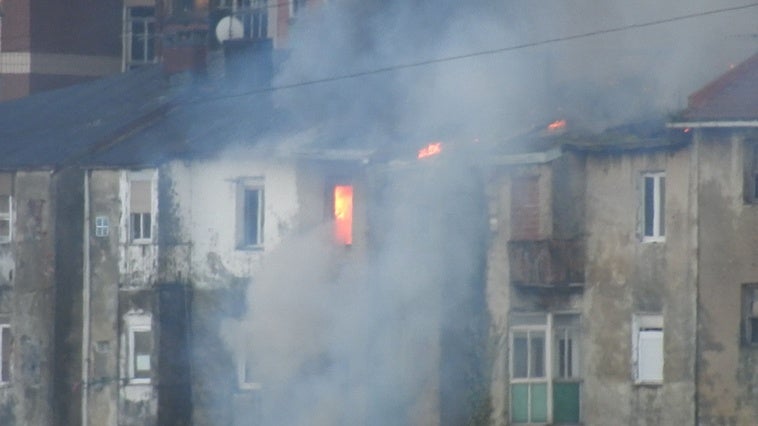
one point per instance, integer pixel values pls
(731, 97)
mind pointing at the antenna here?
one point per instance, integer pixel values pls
(228, 28)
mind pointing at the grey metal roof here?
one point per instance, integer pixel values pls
(56, 128)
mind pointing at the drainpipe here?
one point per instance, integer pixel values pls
(85, 304)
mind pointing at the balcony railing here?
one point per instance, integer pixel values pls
(546, 263)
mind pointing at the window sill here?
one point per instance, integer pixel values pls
(646, 240)
(648, 383)
(138, 382)
(250, 248)
(250, 386)
(141, 242)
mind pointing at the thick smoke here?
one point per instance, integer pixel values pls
(337, 339)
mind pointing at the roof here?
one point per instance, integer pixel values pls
(56, 128)
(732, 97)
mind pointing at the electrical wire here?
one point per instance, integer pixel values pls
(398, 67)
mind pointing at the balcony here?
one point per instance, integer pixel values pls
(548, 264)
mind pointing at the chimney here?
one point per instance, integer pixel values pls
(249, 62)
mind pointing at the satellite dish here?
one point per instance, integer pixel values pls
(229, 27)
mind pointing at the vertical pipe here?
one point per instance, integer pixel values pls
(85, 303)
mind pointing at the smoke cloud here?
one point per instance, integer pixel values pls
(340, 340)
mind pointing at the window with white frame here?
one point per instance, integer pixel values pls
(647, 348)
(750, 314)
(653, 206)
(139, 36)
(545, 362)
(250, 210)
(139, 350)
(102, 226)
(140, 210)
(5, 352)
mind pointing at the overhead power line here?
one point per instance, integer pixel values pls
(432, 61)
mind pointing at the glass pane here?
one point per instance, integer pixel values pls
(252, 210)
(149, 43)
(519, 353)
(662, 210)
(146, 225)
(538, 402)
(520, 403)
(5, 228)
(649, 207)
(566, 402)
(142, 350)
(138, 46)
(5, 203)
(136, 226)
(537, 354)
(753, 330)
(5, 344)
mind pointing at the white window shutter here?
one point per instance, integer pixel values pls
(650, 359)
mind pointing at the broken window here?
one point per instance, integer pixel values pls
(653, 206)
(140, 347)
(140, 208)
(525, 208)
(250, 214)
(545, 368)
(139, 36)
(6, 207)
(5, 353)
(647, 344)
(750, 314)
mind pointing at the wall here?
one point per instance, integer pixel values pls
(27, 292)
(726, 379)
(625, 276)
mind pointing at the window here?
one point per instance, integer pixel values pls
(254, 17)
(296, 7)
(343, 214)
(653, 206)
(140, 210)
(647, 346)
(6, 207)
(250, 213)
(139, 36)
(247, 378)
(101, 226)
(525, 208)
(750, 314)
(545, 368)
(751, 171)
(5, 353)
(140, 347)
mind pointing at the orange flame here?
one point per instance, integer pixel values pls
(433, 148)
(343, 214)
(556, 125)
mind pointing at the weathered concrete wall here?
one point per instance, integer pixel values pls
(28, 301)
(728, 249)
(625, 276)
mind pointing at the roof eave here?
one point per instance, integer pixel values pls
(704, 124)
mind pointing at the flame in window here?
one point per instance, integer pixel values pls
(343, 214)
